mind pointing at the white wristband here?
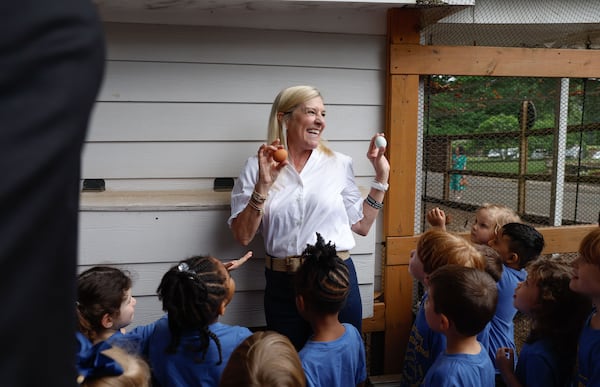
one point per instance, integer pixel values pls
(379, 186)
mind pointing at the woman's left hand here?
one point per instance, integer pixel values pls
(378, 159)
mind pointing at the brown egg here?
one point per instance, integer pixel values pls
(279, 155)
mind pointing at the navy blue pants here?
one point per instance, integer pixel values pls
(280, 306)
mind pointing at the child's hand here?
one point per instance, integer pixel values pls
(505, 358)
(437, 218)
(237, 263)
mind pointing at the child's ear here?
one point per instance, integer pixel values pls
(426, 280)
(513, 259)
(107, 321)
(444, 322)
(222, 307)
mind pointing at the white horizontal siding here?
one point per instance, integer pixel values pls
(181, 106)
(139, 121)
(243, 46)
(200, 82)
(189, 159)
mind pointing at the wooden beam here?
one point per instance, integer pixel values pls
(494, 61)
(402, 114)
(557, 240)
(398, 316)
(376, 323)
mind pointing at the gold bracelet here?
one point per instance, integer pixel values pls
(255, 206)
(258, 198)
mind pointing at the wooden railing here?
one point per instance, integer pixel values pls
(394, 315)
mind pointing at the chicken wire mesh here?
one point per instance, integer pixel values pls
(530, 143)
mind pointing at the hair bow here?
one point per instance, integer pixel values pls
(92, 363)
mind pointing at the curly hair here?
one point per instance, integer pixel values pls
(560, 312)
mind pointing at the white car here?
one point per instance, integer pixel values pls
(572, 152)
(494, 154)
(596, 155)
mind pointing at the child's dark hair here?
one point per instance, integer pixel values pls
(493, 266)
(561, 312)
(467, 297)
(525, 241)
(323, 279)
(192, 293)
(100, 291)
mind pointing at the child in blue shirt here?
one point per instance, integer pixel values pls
(586, 281)
(461, 301)
(334, 355)
(104, 303)
(517, 244)
(435, 248)
(104, 307)
(188, 346)
(557, 315)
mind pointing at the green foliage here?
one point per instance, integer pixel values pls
(464, 105)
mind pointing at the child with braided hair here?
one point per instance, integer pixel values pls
(188, 346)
(334, 355)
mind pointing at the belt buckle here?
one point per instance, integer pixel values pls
(292, 264)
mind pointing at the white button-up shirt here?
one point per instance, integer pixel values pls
(323, 198)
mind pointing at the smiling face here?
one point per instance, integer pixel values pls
(483, 229)
(305, 124)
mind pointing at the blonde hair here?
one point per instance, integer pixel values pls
(265, 359)
(136, 372)
(589, 249)
(500, 214)
(286, 101)
(437, 248)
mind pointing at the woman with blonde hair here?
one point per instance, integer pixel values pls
(287, 201)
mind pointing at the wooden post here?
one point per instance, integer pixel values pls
(399, 218)
(523, 159)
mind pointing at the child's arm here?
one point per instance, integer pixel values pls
(237, 263)
(505, 358)
(437, 218)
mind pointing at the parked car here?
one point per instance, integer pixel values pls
(572, 152)
(538, 154)
(512, 153)
(596, 155)
(494, 154)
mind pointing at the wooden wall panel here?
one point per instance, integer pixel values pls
(188, 159)
(181, 106)
(130, 81)
(138, 121)
(245, 309)
(162, 236)
(166, 43)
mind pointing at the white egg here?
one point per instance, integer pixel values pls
(380, 141)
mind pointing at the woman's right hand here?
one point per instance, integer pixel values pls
(268, 168)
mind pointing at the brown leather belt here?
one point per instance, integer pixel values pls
(292, 264)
